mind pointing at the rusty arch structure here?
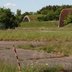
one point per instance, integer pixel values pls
(63, 14)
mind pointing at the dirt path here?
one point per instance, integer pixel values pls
(11, 43)
(30, 56)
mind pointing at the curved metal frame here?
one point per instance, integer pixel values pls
(63, 14)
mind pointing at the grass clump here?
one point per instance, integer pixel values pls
(5, 67)
(13, 35)
(63, 48)
(42, 68)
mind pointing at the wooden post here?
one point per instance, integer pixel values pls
(19, 66)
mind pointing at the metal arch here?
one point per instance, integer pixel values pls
(63, 14)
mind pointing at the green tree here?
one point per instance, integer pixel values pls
(49, 11)
(7, 18)
(50, 16)
(18, 16)
(18, 12)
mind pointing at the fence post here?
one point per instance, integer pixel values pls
(16, 55)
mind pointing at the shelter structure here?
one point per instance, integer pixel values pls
(62, 16)
(26, 19)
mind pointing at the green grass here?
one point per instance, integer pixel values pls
(42, 68)
(59, 39)
(4, 67)
(57, 47)
(35, 35)
(37, 24)
(34, 17)
(38, 31)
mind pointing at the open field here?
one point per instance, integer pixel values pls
(51, 43)
(42, 33)
(4, 67)
(30, 58)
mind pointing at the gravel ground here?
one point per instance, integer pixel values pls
(32, 56)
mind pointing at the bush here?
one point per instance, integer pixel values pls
(42, 18)
(7, 18)
(2, 26)
(68, 19)
(50, 16)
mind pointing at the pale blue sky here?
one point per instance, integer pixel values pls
(31, 5)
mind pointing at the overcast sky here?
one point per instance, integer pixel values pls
(31, 5)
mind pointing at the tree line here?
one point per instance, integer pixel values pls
(51, 12)
(8, 19)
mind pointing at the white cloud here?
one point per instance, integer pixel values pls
(9, 5)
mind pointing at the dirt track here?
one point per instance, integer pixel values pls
(30, 56)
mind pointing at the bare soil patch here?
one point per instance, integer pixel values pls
(32, 56)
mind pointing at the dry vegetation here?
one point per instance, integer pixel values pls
(56, 40)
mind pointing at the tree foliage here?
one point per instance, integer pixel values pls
(51, 12)
(18, 16)
(10, 20)
(7, 18)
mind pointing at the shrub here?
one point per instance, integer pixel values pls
(7, 18)
(68, 19)
(50, 16)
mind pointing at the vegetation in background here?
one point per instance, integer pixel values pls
(68, 19)
(49, 13)
(49, 17)
(7, 19)
(38, 24)
(18, 16)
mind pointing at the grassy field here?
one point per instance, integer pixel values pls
(4, 67)
(34, 17)
(38, 24)
(38, 31)
(56, 40)
(35, 35)
(63, 48)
